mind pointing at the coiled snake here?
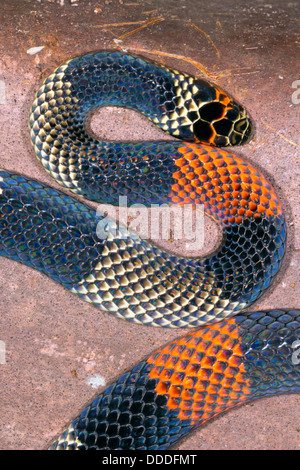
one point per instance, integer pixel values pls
(219, 366)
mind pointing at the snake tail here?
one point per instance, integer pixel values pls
(190, 381)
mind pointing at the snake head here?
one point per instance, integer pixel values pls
(207, 114)
(223, 123)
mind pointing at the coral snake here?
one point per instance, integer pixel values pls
(234, 357)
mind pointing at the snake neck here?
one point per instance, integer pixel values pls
(181, 105)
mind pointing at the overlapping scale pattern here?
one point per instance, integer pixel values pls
(191, 381)
(184, 106)
(207, 372)
(151, 286)
(125, 274)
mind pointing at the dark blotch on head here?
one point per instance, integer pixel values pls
(212, 111)
(232, 114)
(223, 127)
(203, 131)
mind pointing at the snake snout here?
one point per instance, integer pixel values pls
(223, 125)
(241, 128)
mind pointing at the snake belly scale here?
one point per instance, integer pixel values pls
(193, 379)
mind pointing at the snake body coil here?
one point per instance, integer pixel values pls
(207, 372)
(128, 276)
(125, 274)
